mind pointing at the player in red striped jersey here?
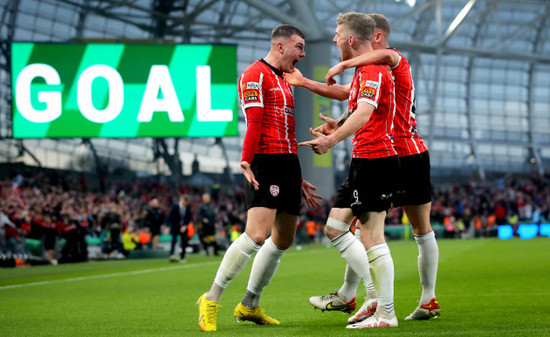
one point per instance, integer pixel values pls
(414, 186)
(273, 193)
(366, 193)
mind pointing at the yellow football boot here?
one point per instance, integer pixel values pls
(208, 313)
(257, 315)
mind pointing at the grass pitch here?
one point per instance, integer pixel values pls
(486, 287)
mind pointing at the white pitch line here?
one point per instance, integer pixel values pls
(92, 277)
(135, 272)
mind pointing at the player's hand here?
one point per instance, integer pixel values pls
(329, 127)
(295, 77)
(337, 69)
(245, 167)
(309, 196)
(320, 145)
(183, 229)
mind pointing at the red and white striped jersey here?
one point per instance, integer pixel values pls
(374, 85)
(263, 86)
(406, 139)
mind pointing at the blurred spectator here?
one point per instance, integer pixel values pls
(500, 214)
(538, 216)
(180, 218)
(8, 233)
(478, 226)
(154, 220)
(75, 248)
(450, 226)
(49, 228)
(491, 228)
(235, 232)
(111, 241)
(460, 228)
(206, 216)
(130, 241)
(310, 229)
(144, 237)
(513, 220)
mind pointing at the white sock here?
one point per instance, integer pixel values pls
(349, 288)
(353, 252)
(263, 268)
(234, 260)
(381, 264)
(351, 280)
(428, 256)
(369, 287)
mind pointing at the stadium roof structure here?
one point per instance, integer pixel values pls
(481, 69)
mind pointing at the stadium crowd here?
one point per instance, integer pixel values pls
(55, 205)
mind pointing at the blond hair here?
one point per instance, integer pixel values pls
(361, 25)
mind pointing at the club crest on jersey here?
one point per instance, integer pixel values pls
(274, 190)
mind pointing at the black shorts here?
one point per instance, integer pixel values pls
(414, 186)
(369, 186)
(280, 182)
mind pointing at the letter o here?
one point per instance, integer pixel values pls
(84, 93)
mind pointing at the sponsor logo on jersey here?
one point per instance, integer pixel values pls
(274, 190)
(368, 93)
(282, 111)
(372, 84)
(253, 85)
(250, 95)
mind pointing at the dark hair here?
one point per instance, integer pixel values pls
(286, 30)
(381, 22)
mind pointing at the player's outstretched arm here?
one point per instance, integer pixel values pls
(309, 196)
(338, 92)
(379, 56)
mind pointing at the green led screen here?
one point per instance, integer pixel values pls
(123, 90)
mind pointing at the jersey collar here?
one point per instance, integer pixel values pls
(275, 70)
